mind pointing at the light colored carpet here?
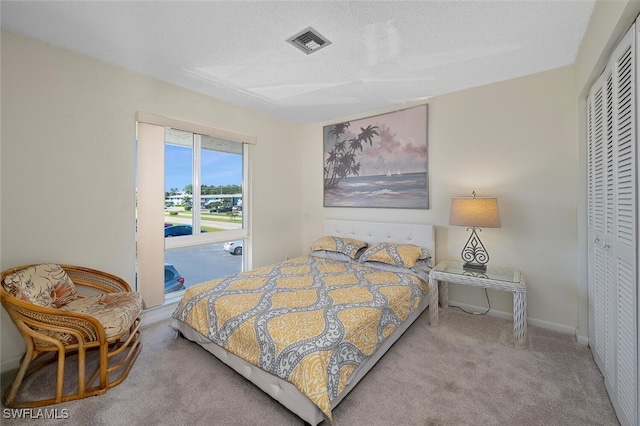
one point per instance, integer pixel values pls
(466, 371)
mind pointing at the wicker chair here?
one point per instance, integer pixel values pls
(53, 333)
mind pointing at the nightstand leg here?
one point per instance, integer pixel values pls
(444, 294)
(519, 318)
(433, 302)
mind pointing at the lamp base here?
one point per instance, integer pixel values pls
(474, 254)
(474, 267)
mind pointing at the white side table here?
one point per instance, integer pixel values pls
(494, 278)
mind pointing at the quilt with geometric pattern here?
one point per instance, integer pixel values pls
(311, 321)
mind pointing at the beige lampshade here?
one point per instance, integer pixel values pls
(475, 212)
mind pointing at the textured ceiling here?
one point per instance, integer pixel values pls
(383, 53)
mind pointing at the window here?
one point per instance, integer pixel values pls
(203, 201)
(192, 199)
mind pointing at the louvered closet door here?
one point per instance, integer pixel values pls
(597, 254)
(624, 244)
(603, 290)
(613, 227)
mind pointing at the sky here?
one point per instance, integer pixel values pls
(218, 168)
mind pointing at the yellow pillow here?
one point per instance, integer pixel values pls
(348, 246)
(400, 255)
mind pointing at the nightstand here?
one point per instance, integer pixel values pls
(494, 278)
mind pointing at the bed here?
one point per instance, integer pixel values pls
(311, 373)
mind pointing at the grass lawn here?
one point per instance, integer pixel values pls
(211, 216)
(212, 229)
(205, 216)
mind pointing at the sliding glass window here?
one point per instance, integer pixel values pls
(203, 208)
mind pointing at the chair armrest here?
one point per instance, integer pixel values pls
(98, 280)
(53, 319)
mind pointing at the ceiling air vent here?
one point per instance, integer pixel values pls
(309, 40)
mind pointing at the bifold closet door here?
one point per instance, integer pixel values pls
(613, 227)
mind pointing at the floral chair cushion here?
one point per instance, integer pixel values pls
(115, 311)
(46, 284)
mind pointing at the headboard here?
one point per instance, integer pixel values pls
(376, 232)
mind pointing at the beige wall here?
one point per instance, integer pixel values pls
(68, 163)
(522, 140)
(515, 140)
(67, 169)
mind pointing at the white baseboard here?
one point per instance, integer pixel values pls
(583, 340)
(561, 328)
(11, 364)
(158, 313)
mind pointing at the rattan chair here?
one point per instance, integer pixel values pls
(53, 334)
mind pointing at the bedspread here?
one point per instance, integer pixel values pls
(309, 320)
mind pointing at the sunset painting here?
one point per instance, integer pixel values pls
(378, 161)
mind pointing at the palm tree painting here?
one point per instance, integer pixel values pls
(378, 161)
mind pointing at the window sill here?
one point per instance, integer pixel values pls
(159, 313)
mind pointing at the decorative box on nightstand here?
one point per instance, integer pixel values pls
(495, 278)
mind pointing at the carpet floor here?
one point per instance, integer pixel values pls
(466, 371)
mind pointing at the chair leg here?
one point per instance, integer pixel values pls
(81, 369)
(26, 360)
(127, 362)
(60, 378)
(130, 348)
(102, 370)
(104, 367)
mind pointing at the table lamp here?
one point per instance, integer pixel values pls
(475, 213)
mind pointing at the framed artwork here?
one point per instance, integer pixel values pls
(378, 161)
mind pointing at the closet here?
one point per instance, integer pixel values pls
(612, 217)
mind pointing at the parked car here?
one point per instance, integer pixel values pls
(220, 210)
(173, 281)
(177, 230)
(233, 247)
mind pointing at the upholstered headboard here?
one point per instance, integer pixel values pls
(422, 235)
